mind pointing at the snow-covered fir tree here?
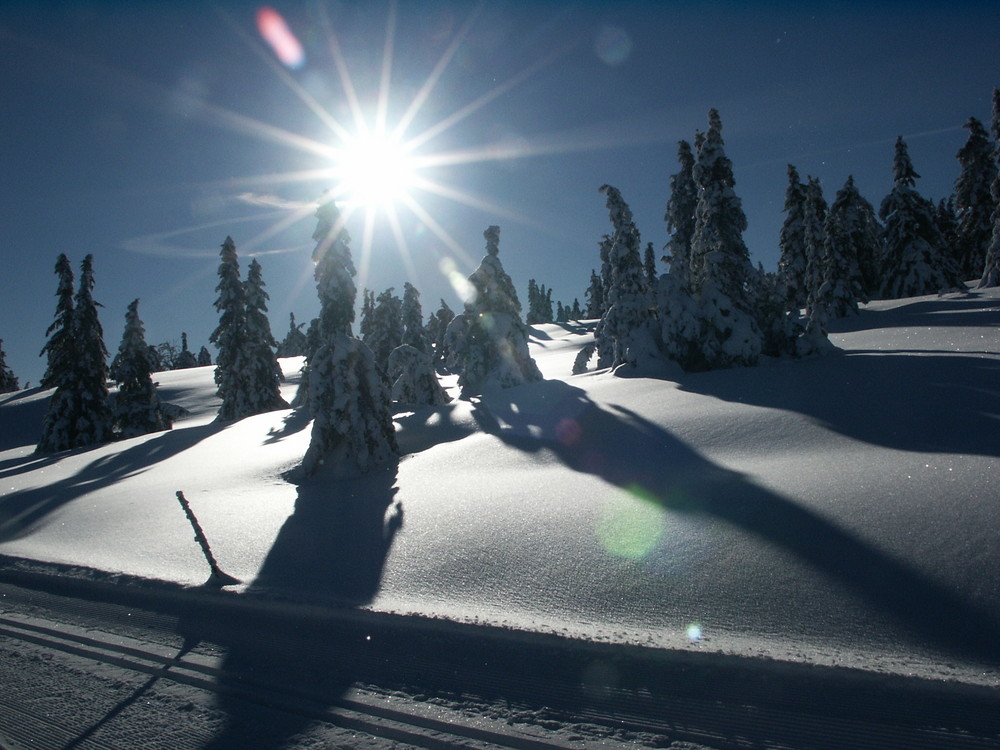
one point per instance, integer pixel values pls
(850, 252)
(414, 381)
(539, 304)
(386, 332)
(575, 313)
(649, 265)
(991, 270)
(352, 423)
(974, 204)
(627, 328)
(562, 315)
(721, 271)
(594, 297)
(914, 263)
(367, 312)
(262, 377)
(185, 359)
(794, 260)
(814, 237)
(294, 344)
(230, 335)
(8, 381)
(437, 327)
(137, 409)
(412, 318)
(61, 345)
(489, 341)
(204, 357)
(78, 414)
(679, 216)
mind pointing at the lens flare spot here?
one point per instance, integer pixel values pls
(275, 31)
(630, 525)
(693, 632)
(613, 45)
(458, 282)
(568, 432)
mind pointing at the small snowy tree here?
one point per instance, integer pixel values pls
(974, 204)
(489, 340)
(914, 263)
(352, 426)
(386, 331)
(851, 237)
(137, 409)
(204, 357)
(575, 313)
(594, 297)
(230, 335)
(61, 346)
(185, 359)
(294, 344)
(414, 381)
(8, 381)
(814, 237)
(437, 327)
(629, 323)
(263, 376)
(412, 319)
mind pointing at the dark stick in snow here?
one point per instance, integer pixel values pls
(219, 578)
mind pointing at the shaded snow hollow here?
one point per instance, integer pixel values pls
(841, 510)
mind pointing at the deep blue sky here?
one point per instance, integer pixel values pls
(144, 133)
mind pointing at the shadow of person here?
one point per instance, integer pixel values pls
(282, 666)
(627, 451)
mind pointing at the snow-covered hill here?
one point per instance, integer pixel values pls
(840, 510)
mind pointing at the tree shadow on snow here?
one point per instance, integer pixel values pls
(912, 402)
(963, 309)
(331, 550)
(24, 511)
(630, 452)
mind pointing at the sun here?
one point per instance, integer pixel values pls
(374, 171)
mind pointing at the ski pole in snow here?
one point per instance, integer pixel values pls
(218, 578)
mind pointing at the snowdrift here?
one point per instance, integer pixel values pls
(840, 510)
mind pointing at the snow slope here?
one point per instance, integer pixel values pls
(839, 511)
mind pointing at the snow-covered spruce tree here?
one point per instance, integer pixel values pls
(78, 414)
(649, 265)
(489, 340)
(562, 315)
(137, 408)
(61, 345)
(679, 216)
(575, 313)
(386, 331)
(414, 381)
(352, 425)
(531, 317)
(722, 275)
(594, 297)
(8, 381)
(294, 344)
(974, 204)
(437, 327)
(185, 359)
(367, 311)
(629, 324)
(991, 270)
(914, 264)
(230, 335)
(204, 357)
(814, 236)
(412, 318)
(263, 376)
(793, 261)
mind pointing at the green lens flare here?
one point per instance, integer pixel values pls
(631, 524)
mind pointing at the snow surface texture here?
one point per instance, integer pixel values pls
(835, 510)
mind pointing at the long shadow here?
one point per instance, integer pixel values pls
(331, 550)
(913, 402)
(24, 511)
(630, 452)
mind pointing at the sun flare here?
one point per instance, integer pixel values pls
(374, 171)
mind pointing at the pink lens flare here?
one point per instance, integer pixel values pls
(275, 31)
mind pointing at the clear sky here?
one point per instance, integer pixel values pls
(146, 132)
